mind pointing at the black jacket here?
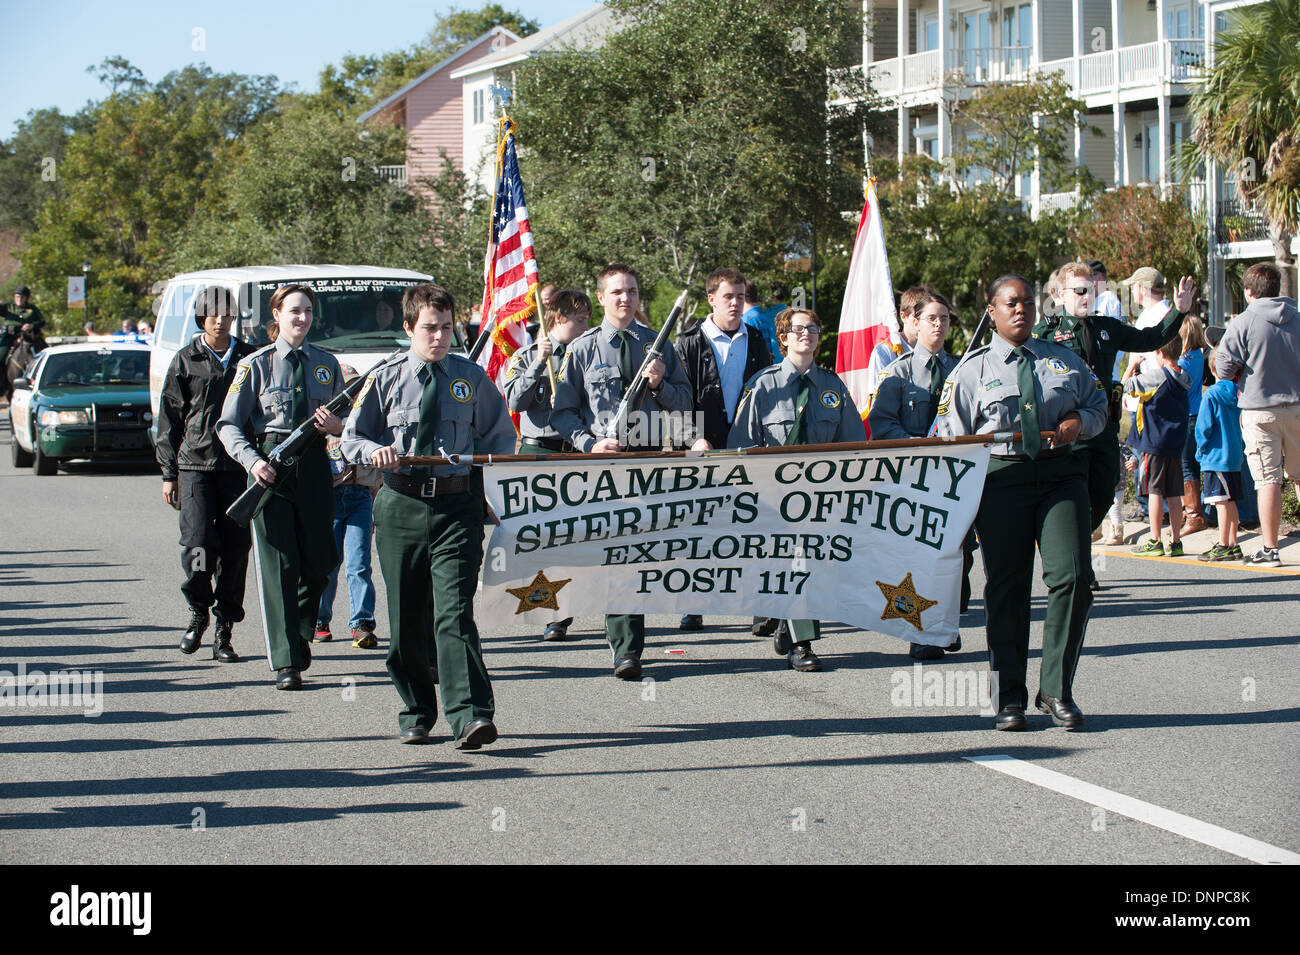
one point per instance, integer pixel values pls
(192, 396)
(696, 356)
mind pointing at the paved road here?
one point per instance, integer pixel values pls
(1188, 680)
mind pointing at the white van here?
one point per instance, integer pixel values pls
(358, 314)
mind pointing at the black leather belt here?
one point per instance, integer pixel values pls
(1042, 455)
(423, 490)
(558, 445)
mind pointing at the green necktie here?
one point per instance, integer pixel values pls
(427, 430)
(625, 369)
(799, 431)
(1029, 438)
(298, 400)
(936, 379)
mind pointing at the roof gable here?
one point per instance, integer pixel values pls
(468, 48)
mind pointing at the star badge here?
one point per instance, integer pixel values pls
(540, 593)
(903, 602)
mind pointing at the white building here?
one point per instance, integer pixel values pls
(488, 81)
(1133, 63)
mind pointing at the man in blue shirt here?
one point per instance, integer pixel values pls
(763, 319)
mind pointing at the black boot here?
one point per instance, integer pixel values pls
(198, 627)
(221, 648)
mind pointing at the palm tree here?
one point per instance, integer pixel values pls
(1248, 116)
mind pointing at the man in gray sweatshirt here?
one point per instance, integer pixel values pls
(1261, 350)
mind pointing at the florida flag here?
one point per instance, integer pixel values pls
(510, 271)
(869, 337)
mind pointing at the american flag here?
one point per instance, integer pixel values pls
(510, 271)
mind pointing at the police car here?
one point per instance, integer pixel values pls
(358, 314)
(89, 400)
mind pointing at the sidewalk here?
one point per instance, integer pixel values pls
(1198, 543)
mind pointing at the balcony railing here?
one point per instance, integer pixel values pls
(1240, 222)
(1146, 64)
(995, 64)
(396, 175)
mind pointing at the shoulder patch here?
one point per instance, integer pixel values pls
(241, 376)
(365, 390)
(945, 396)
(1058, 365)
(830, 399)
(323, 374)
(515, 364)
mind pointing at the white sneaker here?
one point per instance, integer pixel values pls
(1114, 536)
(1264, 557)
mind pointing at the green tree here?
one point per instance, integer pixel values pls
(1133, 227)
(960, 240)
(304, 187)
(699, 135)
(1004, 141)
(131, 181)
(29, 166)
(1247, 116)
(360, 80)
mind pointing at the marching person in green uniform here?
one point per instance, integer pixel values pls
(429, 520)
(600, 367)
(904, 406)
(792, 403)
(528, 388)
(1097, 339)
(275, 390)
(1034, 495)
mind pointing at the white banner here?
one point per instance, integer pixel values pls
(868, 538)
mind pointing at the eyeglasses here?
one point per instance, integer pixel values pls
(1081, 291)
(938, 321)
(812, 331)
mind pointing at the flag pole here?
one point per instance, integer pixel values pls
(485, 327)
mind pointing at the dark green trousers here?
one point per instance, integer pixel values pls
(1103, 463)
(430, 553)
(626, 634)
(293, 542)
(1027, 503)
(528, 447)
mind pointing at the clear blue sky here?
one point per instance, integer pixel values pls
(48, 45)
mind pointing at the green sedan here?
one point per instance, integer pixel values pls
(87, 401)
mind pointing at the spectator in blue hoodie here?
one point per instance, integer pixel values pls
(1219, 451)
(1261, 351)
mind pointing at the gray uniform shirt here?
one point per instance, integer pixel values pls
(982, 396)
(528, 390)
(767, 409)
(472, 415)
(588, 392)
(260, 400)
(901, 406)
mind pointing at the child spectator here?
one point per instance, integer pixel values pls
(1192, 361)
(1158, 433)
(1220, 451)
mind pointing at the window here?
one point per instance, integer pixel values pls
(930, 31)
(478, 107)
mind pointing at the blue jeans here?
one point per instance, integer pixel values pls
(353, 524)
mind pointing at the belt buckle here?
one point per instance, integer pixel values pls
(429, 488)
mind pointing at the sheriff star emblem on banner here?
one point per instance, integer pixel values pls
(903, 602)
(539, 594)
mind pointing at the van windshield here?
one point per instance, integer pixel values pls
(350, 314)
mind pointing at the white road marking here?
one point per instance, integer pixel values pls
(1166, 819)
